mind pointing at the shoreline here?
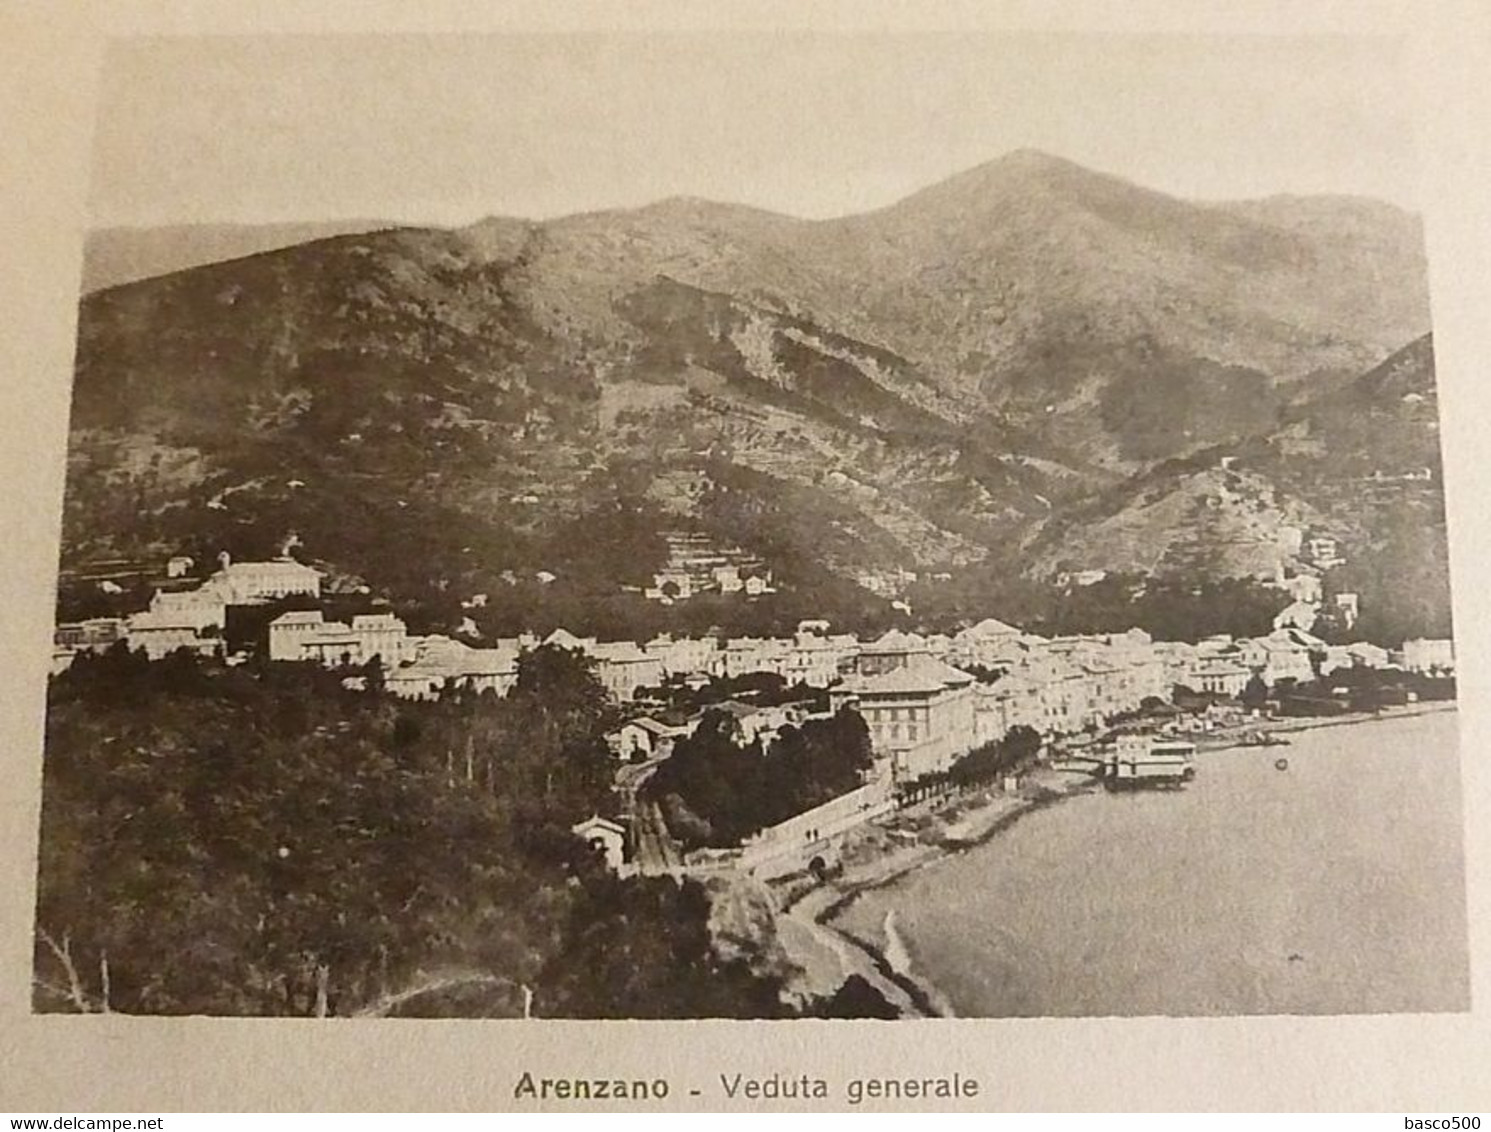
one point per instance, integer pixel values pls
(960, 823)
(1229, 738)
(976, 822)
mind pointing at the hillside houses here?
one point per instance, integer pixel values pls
(414, 667)
(192, 619)
(696, 565)
(183, 619)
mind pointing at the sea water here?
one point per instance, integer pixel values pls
(1335, 885)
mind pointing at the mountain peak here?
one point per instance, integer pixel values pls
(1023, 174)
(1033, 160)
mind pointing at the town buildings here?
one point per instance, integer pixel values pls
(926, 699)
(1359, 655)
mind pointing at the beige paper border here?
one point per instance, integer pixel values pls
(48, 61)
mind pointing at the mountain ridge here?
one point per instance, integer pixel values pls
(115, 255)
(921, 386)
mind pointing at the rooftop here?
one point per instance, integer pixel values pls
(298, 617)
(924, 675)
(990, 627)
(287, 566)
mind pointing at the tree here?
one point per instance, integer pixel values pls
(642, 949)
(1020, 744)
(292, 847)
(733, 790)
(855, 998)
(1254, 695)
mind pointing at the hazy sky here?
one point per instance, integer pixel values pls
(450, 129)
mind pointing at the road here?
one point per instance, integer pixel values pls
(654, 852)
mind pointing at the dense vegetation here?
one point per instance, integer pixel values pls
(717, 791)
(1176, 607)
(982, 765)
(989, 760)
(266, 841)
(1357, 688)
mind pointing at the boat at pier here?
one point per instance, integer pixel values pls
(1147, 762)
(1260, 738)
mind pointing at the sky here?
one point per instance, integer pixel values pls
(449, 129)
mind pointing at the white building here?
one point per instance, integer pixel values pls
(289, 631)
(1298, 615)
(607, 836)
(440, 662)
(647, 737)
(244, 583)
(920, 714)
(622, 668)
(159, 633)
(812, 660)
(1433, 656)
(743, 655)
(564, 639)
(684, 655)
(202, 608)
(306, 635)
(1221, 677)
(1358, 655)
(986, 643)
(1285, 654)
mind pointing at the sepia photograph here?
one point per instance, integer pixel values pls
(766, 526)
